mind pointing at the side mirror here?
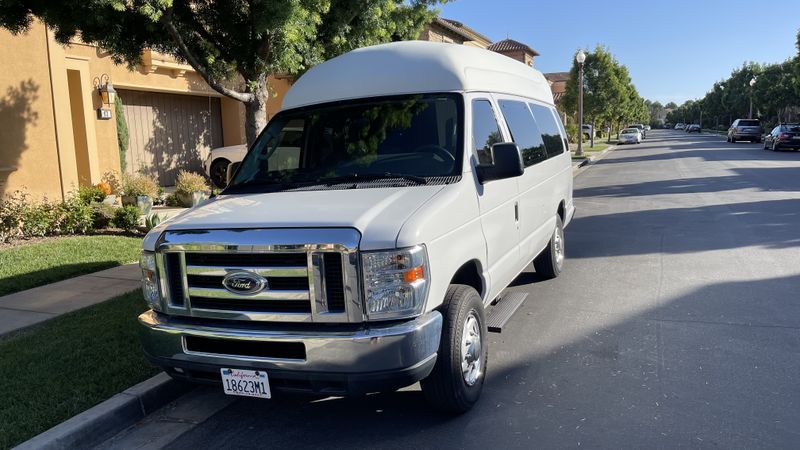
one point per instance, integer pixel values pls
(232, 167)
(507, 163)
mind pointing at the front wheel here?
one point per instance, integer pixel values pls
(456, 382)
(549, 263)
(219, 172)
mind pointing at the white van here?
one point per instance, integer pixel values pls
(429, 176)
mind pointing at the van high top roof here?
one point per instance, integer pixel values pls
(412, 67)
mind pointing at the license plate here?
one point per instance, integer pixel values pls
(246, 383)
(796, 137)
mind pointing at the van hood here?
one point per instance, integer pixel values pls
(377, 213)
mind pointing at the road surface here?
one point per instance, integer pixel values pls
(676, 323)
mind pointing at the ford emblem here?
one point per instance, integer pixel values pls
(244, 283)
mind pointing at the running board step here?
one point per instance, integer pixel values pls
(502, 310)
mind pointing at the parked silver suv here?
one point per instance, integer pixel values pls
(745, 130)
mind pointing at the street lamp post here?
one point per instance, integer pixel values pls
(580, 58)
(752, 83)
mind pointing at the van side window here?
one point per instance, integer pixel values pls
(524, 131)
(551, 134)
(485, 131)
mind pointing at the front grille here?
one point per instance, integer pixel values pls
(256, 349)
(300, 285)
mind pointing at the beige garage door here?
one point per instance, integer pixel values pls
(170, 132)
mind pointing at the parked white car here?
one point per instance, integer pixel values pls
(428, 177)
(218, 160)
(630, 136)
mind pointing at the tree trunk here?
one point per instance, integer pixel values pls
(255, 116)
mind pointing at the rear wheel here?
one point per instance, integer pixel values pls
(219, 172)
(549, 263)
(774, 146)
(456, 382)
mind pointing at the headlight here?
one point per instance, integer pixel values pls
(395, 282)
(147, 262)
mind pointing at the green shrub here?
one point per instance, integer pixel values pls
(189, 182)
(91, 194)
(127, 217)
(572, 132)
(172, 201)
(102, 215)
(40, 219)
(75, 217)
(11, 210)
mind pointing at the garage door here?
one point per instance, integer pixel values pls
(170, 132)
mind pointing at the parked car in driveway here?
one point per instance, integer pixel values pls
(693, 128)
(431, 175)
(586, 130)
(785, 136)
(218, 160)
(679, 126)
(745, 130)
(630, 136)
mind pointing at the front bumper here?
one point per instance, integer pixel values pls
(337, 360)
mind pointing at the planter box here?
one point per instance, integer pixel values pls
(190, 200)
(143, 202)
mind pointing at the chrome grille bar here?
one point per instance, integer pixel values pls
(263, 295)
(210, 271)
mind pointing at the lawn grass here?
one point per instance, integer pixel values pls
(30, 265)
(64, 366)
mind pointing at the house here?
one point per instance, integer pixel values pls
(558, 84)
(454, 32)
(515, 50)
(53, 138)
(59, 126)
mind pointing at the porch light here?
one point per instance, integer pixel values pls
(105, 89)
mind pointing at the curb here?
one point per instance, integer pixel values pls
(105, 420)
(576, 170)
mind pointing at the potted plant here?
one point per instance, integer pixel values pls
(138, 190)
(191, 188)
(109, 198)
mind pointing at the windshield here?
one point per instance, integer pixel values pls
(402, 138)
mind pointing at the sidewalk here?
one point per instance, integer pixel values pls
(26, 308)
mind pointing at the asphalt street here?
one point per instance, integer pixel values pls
(676, 323)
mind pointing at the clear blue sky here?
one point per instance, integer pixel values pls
(675, 50)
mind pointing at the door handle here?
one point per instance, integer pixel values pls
(516, 211)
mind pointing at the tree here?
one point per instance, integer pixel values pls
(670, 105)
(601, 87)
(234, 45)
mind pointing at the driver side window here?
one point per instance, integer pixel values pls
(485, 131)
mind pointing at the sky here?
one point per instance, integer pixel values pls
(675, 50)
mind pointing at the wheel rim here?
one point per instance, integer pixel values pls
(471, 346)
(218, 174)
(558, 245)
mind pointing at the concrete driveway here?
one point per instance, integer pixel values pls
(676, 323)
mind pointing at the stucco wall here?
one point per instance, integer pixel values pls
(28, 151)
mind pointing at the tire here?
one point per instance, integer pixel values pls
(774, 146)
(219, 172)
(733, 140)
(549, 263)
(448, 388)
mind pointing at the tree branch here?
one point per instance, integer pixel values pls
(200, 68)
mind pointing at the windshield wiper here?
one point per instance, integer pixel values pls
(357, 177)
